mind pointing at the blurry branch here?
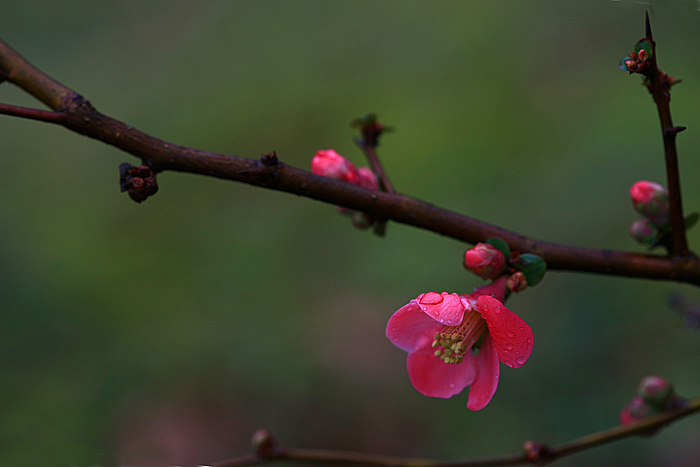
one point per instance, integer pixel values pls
(268, 450)
(75, 113)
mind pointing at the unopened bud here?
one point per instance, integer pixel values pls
(361, 220)
(330, 164)
(651, 201)
(643, 231)
(484, 260)
(517, 282)
(636, 410)
(264, 444)
(536, 452)
(367, 179)
(656, 390)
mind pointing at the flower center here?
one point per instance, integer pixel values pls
(453, 342)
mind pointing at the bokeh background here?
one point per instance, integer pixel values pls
(167, 332)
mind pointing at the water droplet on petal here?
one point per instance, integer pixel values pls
(449, 321)
(452, 385)
(509, 346)
(431, 298)
(510, 334)
(520, 360)
(529, 341)
(436, 312)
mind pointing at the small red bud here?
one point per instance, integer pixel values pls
(651, 201)
(330, 164)
(484, 260)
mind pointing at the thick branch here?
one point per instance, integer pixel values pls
(82, 118)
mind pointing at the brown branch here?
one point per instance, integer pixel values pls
(660, 90)
(81, 117)
(270, 451)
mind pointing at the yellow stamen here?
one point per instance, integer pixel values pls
(455, 341)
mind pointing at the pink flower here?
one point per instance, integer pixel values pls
(651, 201)
(454, 341)
(330, 164)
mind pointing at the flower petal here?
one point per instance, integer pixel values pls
(488, 372)
(410, 328)
(444, 308)
(434, 378)
(512, 337)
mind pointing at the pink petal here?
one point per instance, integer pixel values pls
(409, 328)
(487, 374)
(512, 337)
(434, 378)
(444, 308)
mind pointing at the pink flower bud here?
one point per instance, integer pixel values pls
(330, 164)
(656, 390)
(517, 282)
(651, 201)
(643, 231)
(367, 179)
(484, 260)
(636, 410)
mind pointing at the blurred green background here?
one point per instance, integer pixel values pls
(167, 332)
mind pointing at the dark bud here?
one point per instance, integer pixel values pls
(265, 445)
(537, 453)
(140, 182)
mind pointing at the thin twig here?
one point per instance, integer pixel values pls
(276, 452)
(32, 114)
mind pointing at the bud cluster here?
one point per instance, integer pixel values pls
(651, 201)
(328, 163)
(654, 395)
(493, 259)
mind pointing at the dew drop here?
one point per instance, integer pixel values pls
(452, 385)
(519, 360)
(509, 346)
(431, 298)
(529, 341)
(510, 334)
(449, 321)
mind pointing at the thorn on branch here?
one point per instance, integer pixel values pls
(674, 131)
(140, 182)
